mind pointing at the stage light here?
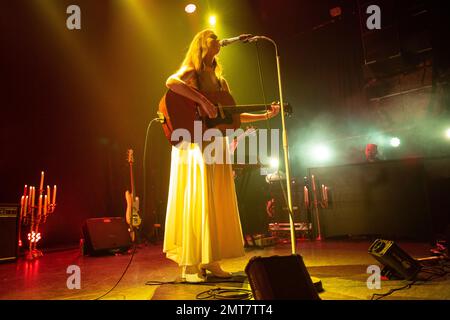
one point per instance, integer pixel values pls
(190, 8)
(212, 20)
(447, 133)
(335, 12)
(395, 142)
(274, 163)
(321, 153)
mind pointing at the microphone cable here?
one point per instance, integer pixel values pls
(225, 294)
(144, 158)
(161, 120)
(121, 277)
(261, 83)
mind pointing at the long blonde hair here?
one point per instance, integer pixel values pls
(197, 52)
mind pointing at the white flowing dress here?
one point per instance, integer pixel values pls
(202, 218)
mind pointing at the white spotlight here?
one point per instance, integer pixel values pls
(395, 142)
(447, 133)
(274, 163)
(190, 8)
(321, 153)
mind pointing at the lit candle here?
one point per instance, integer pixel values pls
(45, 205)
(305, 195)
(33, 193)
(48, 193)
(326, 193)
(22, 204)
(54, 194)
(40, 205)
(41, 186)
(323, 192)
(25, 207)
(25, 191)
(313, 182)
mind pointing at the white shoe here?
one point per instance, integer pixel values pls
(216, 270)
(193, 274)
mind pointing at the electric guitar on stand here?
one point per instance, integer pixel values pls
(132, 214)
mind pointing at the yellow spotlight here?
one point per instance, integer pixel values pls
(212, 20)
(190, 8)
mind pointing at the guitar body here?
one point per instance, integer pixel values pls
(129, 200)
(181, 113)
(132, 212)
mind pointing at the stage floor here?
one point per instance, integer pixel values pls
(341, 266)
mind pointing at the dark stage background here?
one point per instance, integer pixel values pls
(74, 101)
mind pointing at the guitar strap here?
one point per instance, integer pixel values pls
(197, 80)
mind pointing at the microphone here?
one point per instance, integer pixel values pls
(242, 37)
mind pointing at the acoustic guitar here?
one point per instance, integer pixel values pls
(180, 113)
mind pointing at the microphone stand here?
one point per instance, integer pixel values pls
(316, 281)
(285, 142)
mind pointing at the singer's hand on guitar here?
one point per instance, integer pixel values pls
(209, 108)
(274, 110)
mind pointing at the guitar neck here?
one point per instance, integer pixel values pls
(245, 108)
(132, 181)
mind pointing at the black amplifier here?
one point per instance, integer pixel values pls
(9, 221)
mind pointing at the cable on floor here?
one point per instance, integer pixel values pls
(121, 277)
(435, 271)
(225, 294)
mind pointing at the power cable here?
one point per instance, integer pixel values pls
(144, 197)
(225, 294)
(121, 277)
(144, 158)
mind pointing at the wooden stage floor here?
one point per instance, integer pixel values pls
(341, 266)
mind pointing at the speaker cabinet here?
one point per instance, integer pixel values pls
(438, 185)
(397, 263)
(105, 235)
(9, 217)
(385, 199)
(280, 278)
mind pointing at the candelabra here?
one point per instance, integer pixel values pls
(33, 215)
(316, 202)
